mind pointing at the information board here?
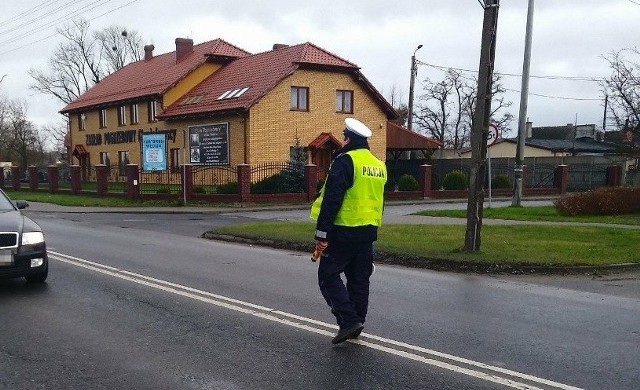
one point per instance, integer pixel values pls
(154, 150)
(209, 144)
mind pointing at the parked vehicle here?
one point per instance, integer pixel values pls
(23, 252)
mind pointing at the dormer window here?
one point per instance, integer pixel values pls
(192, 100)
(233, 93)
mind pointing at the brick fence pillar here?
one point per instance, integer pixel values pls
(33, 178)
(614, 176)
(133, 181)
(561, 179)
(76, 180)
(15, 178)
(186, 177)
(311, 181)
(425, 173)
(244, 182)
(101, 179)
(54, 177)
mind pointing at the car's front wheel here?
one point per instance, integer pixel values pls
(39, 277)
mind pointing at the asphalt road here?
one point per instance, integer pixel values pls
(138, 301)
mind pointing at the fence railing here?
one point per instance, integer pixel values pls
(285, 182)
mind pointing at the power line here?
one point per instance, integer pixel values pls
(634, 2)
(569, 78)
(444, 68)
(37, 18)
(555, 97)
(23, 13)
(68, 16)
(55, 34)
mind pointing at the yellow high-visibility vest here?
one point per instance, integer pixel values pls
(363, 202)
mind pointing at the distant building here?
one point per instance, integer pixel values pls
(548, 141)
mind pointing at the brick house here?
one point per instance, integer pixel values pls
(220, 105)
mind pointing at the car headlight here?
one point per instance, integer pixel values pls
(32, 238)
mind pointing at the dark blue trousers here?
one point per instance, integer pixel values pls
(348, 303)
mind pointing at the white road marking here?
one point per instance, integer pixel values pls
(430, 357)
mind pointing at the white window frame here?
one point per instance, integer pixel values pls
(82, 121)
(122, 115)
(103, 118)
(152, 111)
(133, 109)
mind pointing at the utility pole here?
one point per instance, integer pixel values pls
(604, 119)
(412, 80)
(522, 120)
(480, 126)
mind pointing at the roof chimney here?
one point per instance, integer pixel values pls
(184, 47)
(277, 46)
(148, 52)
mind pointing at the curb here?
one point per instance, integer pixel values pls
(437, 264)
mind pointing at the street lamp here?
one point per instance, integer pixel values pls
(414, 71)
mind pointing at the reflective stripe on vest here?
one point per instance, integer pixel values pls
(363, 202)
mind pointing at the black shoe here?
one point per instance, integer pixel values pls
(347, 333)
(356, 334)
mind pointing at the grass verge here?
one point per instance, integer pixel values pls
(537, 213)
(439, 246)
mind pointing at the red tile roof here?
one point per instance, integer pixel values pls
(153, 76)
(260, 73)
(399, 138)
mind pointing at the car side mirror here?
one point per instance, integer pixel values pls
(21, 204)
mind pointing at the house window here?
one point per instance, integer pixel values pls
(151, 109)
(300, 98)
(122, 115)
(133, 112)
(123, 160)
(104, 158)
(344, 101)
(103, 118)
(174, 159)
(82, 121)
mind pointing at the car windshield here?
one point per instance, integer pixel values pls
(5, 203)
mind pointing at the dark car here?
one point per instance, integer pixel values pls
(23, 252)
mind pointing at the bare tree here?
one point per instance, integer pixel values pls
(395, 98)
(84, 58)
(20, 138)
(119, 47)
(623, 87)
(445, 110)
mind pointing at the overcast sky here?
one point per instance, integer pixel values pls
(569, 39)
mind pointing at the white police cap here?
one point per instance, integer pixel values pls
(357, 127)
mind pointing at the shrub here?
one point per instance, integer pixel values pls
(229, 188)
(164, 190)
(601, 201)
(501, 181)
(407, 183)
(455, 180)
(270, 185)
(198, 190)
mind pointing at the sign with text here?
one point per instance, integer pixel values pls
(154, 150)
(209, 144)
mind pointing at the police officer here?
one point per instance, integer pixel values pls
(348, 213)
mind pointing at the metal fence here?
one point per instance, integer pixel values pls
(274, 177)
(585, 172)
(215, 179)
(160, 182)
